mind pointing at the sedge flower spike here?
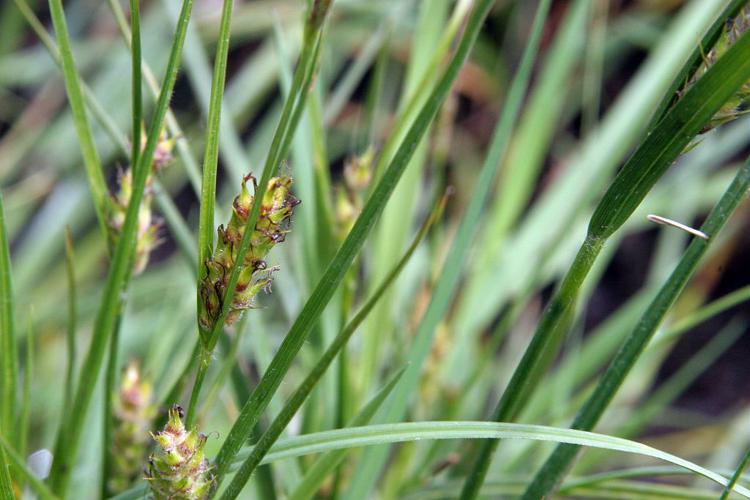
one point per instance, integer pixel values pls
(147, 238)
(178, 468)
(270, 229)
(739, 103)
(350, 194)
(133, 413)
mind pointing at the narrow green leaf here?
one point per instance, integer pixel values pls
(535, 131)
(9, 372)
(28, 371)
(70, 334)
(174, 219)
(68, 439)
(649, 162)
(374, 459)
(338, 267)
(696, 59)
(326, 464)
(279, 146)
(615, 490)
(112, 363)
(91, 160)
(6, 487)
(432, 43)
(208, 186)
(705, 313)
(137, 83)
(211, 154)
(290, 116)
(674, 386)
(736, 476)
(633, 472)
(634, 345)
(303, 391)
(669, 138)
(181, 143)
(198, 71)
(354, 437)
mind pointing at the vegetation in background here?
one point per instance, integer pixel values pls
(470, 300)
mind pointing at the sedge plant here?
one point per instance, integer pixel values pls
(294, 309)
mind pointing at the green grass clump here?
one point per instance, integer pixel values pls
(457, 185)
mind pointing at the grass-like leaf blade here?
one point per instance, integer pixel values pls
(338, 267)
(647, 164)
(669, 138)
(327, 463)
(303, 391)
(68, 439)
(208, 185)
(452, 270)
(355, 437)
(91, 159)
(736, 476)
(637, 341)
(211, 154)
(9, 372)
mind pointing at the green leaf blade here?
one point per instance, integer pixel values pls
(639, 338)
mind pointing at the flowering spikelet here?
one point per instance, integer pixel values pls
(147, 238)
(739, 103)
(255, 275)
(133, 412)
(349, 197)
(178, 469)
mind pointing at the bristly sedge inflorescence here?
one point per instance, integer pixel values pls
(148, 226)
(133, 414)
(270, 229)
(350, 194)
(739, 104)
(178, 468)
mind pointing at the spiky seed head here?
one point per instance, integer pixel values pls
(739, 103)
(271, 227)
(178, 469)
(148, 225)
(349, 195)
(358, 171)
(133, 415)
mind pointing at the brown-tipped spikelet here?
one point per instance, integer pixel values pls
(147, 238)
(133, 413)
(255, 275)
(350, 196)
(178, 469)
(739, 103)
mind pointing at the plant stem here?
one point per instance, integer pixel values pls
(547, 338)
(8, 349)
(736, 476)
(91, 159)
(203, 362)
(211, 155)
(634, 345)
(337, 346)
(69, 435)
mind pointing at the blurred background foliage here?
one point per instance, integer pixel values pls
(687, 394)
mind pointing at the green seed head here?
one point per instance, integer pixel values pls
(178, 469)
(133, 414)
(739, 103)
(148, 226)
(350, 195)
(270, 229)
